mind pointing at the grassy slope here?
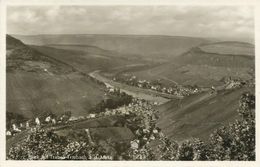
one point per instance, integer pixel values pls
(157, 48)
(94, 51)
(30, 93)
(234, 48)
(38, 83)
(203, 68)
(103, 128)
(85, 60)
(113, 134)
(199, 115)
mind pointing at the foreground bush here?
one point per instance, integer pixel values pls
(237, 141)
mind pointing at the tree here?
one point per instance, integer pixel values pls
(185, 151)
(237, 141)
(201, 150)
(168, 149)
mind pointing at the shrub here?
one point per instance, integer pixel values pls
(237, 141)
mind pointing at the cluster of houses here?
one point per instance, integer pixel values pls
(143, 111)
(89, 116)
(137, 106)
(48, 120)
(233, 83)
(138, 112)
(177, 90)
(29, 125)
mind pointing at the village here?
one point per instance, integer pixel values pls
(139, 115)
(177, 89)
(157, 85)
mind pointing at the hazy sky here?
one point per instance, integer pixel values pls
(224, 22)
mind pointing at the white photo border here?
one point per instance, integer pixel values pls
(38, 163)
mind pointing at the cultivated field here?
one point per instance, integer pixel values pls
(31, 94)
(198, 115)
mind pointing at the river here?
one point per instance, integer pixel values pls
(145, 94)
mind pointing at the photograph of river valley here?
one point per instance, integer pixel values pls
(130, 83)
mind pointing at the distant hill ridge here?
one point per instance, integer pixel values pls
(23, 57)
(229, 48)
(238, 43)
(13, 42)
(206, 64)
(155, 47)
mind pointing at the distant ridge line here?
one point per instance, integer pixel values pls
(126, 35)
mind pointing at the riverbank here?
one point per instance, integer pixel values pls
(145, 94)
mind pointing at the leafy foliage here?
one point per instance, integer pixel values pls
(237, 141)
(44, 145)
(168, 149)
(116, 100)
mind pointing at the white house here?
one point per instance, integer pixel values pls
(8, 133)
(37, 121)
(134, 144)
(146, 130)
(15, 128)
(53, 121)
(152, 137)
(73, 118)
(21, 125)
(92, 115)
(48, 119)
(27, 125)
(155, 131)
(111, 90)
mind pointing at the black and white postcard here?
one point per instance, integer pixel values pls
(132, 83)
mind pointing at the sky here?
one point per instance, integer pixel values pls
(221, 22)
